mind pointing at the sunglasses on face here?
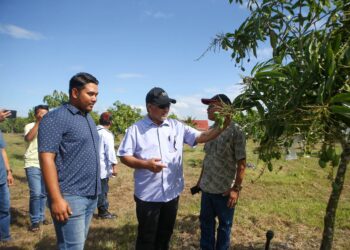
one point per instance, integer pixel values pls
(164, 106)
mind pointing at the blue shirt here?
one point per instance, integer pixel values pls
(72, 136)
(3, 173)
(145, 140)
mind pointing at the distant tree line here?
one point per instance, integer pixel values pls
(123, 115)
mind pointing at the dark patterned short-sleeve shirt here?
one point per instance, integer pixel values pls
(72, 136)
(220, 161)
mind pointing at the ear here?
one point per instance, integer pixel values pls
(75, 93)
(148, 106)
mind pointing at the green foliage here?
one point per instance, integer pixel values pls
(250, 123)
(190, 121)
(95, 116)
(173, 116)
(15, 125)
(123, 116)
(56, 99)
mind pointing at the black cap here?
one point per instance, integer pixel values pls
(158, 96)
(217, 98)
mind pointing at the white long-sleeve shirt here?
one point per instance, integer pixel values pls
(107, 151)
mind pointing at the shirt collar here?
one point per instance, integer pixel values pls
(74, 110)
(150, 123)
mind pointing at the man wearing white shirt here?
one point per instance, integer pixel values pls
(37, 191)
(108, 162)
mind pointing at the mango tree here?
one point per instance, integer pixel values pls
(304, 88)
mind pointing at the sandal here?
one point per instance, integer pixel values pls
(35, 227)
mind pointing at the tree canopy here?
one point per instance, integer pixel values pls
(303, 89)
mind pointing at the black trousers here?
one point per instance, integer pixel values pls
(156, 223)
(102, 201)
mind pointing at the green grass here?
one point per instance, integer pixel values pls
(291, 200)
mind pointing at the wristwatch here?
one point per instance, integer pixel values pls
(237, 188)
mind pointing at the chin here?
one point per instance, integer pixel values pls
(88, 109)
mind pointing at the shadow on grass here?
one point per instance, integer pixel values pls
(47, 242)
(18, 217)
(7, 246)
(261, 246)
(111, 238)
(21, 179)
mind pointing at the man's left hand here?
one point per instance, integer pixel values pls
(232, 197)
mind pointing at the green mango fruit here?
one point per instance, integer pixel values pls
(322, 164)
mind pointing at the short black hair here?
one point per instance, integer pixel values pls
(106, 119)
(79, 80)
(41, 106)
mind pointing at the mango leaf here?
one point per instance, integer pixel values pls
(269, 74)
(340, 110)
(340, 98)
(273, 38)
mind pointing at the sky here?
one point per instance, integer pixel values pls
(130, 46)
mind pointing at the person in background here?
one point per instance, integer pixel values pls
(6, 180)
(153, 146)
(70, 164)
(37, 192)
(108, 163)
(221, 179)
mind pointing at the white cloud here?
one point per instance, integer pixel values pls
(130, 75)
(192, 106)
(264, 53)
(19, 33)
(158, 14)
(143, 108)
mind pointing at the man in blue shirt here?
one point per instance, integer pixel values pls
(6, 179)
(68, 153)
(153, 146)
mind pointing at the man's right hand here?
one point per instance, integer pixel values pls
(4, 114)
(60, 210)
(155, 165)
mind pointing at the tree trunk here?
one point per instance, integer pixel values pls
(337, 187)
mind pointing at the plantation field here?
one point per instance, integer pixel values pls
(291, 200)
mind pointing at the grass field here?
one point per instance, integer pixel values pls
(291, 201)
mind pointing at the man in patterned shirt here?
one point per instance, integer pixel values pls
(68, 153)
(221, 178)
